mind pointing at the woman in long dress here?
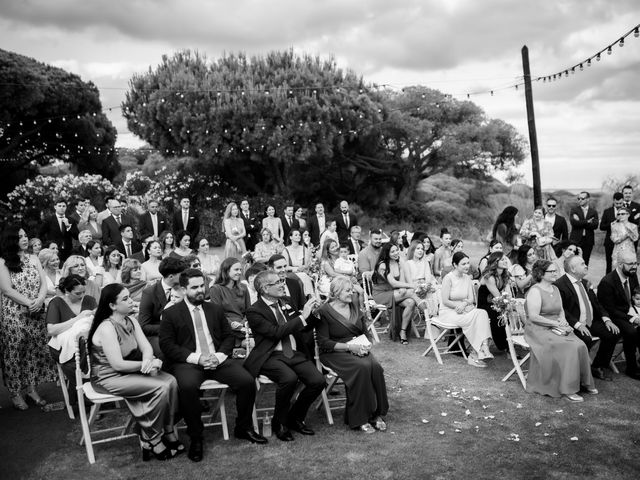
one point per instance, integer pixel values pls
(538, 233)
(274, 224)
(23, 334)
(341, 321)
(122, 363)
(417, 270)
(458, 309)
(494, 282)
(234, 231)
(560, 363)
(623, 235)
(299, 259)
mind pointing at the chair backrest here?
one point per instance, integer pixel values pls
(83, 362)
(516, 319)
(367, 285)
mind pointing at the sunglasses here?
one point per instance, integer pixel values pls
(551, 205)
(582, 198)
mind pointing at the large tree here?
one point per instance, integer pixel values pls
(255, 120)
(49, 114)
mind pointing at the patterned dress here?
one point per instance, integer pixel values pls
(23, 335)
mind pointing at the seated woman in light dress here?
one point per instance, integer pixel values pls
(77, 265)
(417, 270)
(112, 266)
(210, 263)
(153, 251)
(51, 265)
(266, 248)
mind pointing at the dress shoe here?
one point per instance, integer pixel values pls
(574, 397)
(284, 434)
(591, 391)
(195, 450)
(251, 435)
(634, 375)
(601, 374)
(300, 427)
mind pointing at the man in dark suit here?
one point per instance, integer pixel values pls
(559, 223)
(251, 226)
(152, 223)
(289, 223)
(614, 294)
(140, 254)
(186, 219)
(608, 217)
(78, 209)
(292, 285)
(111, 224)
(155, 297)
(345, 221)
(84, 237)
(128, 245)
(197, 341)
(317, 224)
(583, 312)
(584, 220)
(355, 244)
(278, 354)
(634, 207)
(59, 229)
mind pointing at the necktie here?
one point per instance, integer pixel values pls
(627, 291)
(202, 339)
(118, 220)
(62, 229)
(154, 223)
(587, 305)
(185, 218)
(287, 350)
(289, 220)
(128, 249)
(168, 294)
(346, 220)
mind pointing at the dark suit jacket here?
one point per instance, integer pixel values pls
(560, 228)
(286, 228)
(314, 228)
(80, 250)
(178, 337)
(571, 303)
(297, 295)
(152, 303)
(634, 209)
(352, 251)
(136, 247)
(193, 225)
(146, 226)
(343, 230)
(50, 232)
(583, 226)
(613, 298)
(267, 333)
(252, 227)
(608, 217)
(111, 229)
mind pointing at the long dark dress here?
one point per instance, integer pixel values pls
(498, 332)
(151, 399)
(363, 376)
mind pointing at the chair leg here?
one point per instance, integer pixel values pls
(433, 345)
(65, 391)
(86, 432)
(223, 415)
(374, 332)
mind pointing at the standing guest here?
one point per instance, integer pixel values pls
(443, 254)
(273, 223)
(234, 231)
(197, 342)
(122, 363)
(210, 263)
(614, 294)
(368, 257)
(102, 215)
(128, 245)
(505, 230)
(560, 364)
(634, 207)
(495, 280)
(76, 265)
(584, 221)
(558, 224)
(111, 225)
(521, 270)
(458, 308)
(251, 226)
(289, 223)
(266, 248)
(152, 265)
(624, 234)
(95, 262)
(167, 241)
(345, 221)
(154, 298)
(330, 233)
(23, 336)
(152, 223)
(353, 242)
(89, 221)
(567, 250)
(341, 321)
(60, 229)
(35, 245)
(583, 312)
(494, 246)
(79, 208)
(609, 216)
(51, 268)
(112, 266)
(317, 225)
(132, 279)
(84, 237)
(186, 219)
(183, 249)
(279, 354)
(298, 258)
(538, 233)
(298, 215)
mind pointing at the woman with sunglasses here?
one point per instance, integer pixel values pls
(623, 235)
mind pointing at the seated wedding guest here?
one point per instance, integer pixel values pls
(494, 282)
(306, 241)
(76, 265)
(583, 312)
(71, 311)
(197, 342)
(396, 239)
(51, 266)
(210, 263)
(250, 276)
(122, 363)
(143, 255)
(95, 262)
(278, 354)
(132, 278)
(442, 255)
(429, 250)
(151, 267)
(330, 233)
(521, 271)
(341, 321)
(53, 246)
(566, 250)
(35, 245)
(368, 256)
(560, 364)
(538, 233)
(154, 298)
(273, 224)
(344, 266)
(614, 295)
(299, 258)
(390, 288)
(167, 242)
(23, 335)
(458, 308)
(112, 266)
(265, 248)
(505, 230)
(328, 256)
(353, 242)
(183, 249)
(232, 295)
(417, 271)
(235, 232)
(292, 286)
(623, 235)
(494, 246)
(89, 221)
(84, 237)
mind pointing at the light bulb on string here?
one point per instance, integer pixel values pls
(609, 50)
(589, 63)
(598, 57)
(621, 43)
(636, 32)
(573, 70)
(581, 67)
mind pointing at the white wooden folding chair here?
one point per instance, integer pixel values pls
(330, 399)
(86, 390)
(514, 328)
(455, 344)
(64, 386)
(214, 391)
(375, 311)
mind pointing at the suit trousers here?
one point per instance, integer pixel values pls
(630, 343)
(286, 372)
(608, 341)
(231, 372)
(586, 247)
(608, 252)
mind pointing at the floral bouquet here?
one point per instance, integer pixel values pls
(506, 306)
(424, 289)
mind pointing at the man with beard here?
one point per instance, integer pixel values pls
(614, 294)
(197, 341)
(368, 256)
(345, 221)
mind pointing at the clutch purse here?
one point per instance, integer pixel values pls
(360, 340)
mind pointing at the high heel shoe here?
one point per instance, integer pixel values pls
(19, 403)
(32, 396)
(148, 450)
(176, 444)
(403, 337)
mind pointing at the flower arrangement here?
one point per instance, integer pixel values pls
(506, 306)
(424, 289)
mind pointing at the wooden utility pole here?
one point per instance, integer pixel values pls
(531, 121)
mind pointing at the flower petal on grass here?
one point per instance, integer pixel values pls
(574, 439)
(538, 424)
(424, 420)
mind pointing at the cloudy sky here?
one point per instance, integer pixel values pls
(588, 123)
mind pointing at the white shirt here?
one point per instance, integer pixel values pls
(551, 218)
(322, 226)
(194, 357)
(154, 223)
(583, 308)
